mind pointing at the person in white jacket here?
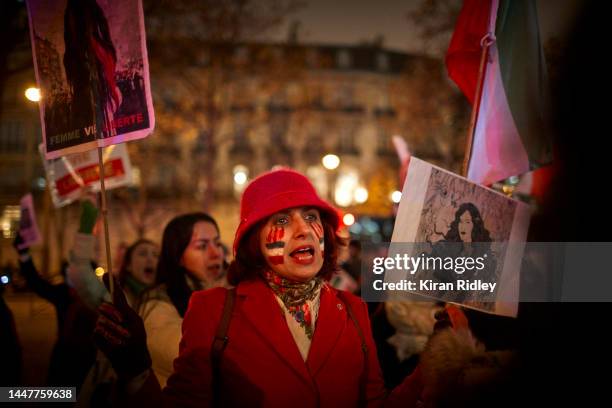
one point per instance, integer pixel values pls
(136, 274)
(137, 271)
(191, 259)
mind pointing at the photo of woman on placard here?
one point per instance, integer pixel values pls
(467, 237)
(90, 62)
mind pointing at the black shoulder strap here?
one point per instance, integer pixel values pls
(221, 338)
(364, 347)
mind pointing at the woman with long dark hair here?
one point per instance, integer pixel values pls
(191, 259)
(466, 237)
(90, 60)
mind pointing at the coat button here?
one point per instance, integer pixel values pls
(339, 306)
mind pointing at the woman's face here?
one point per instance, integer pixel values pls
(143, 263)
(292, 243)
(203, 257)
(465, 227)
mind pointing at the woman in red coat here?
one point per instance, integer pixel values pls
(292, 339)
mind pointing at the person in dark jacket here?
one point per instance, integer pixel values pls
(10, 369)
(74, 351)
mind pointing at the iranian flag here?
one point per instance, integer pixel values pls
(510, 136)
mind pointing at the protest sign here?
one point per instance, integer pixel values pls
(478, 232)
(67, 175)
(91, 65)
(28, 228)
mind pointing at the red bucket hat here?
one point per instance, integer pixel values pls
(274, 191)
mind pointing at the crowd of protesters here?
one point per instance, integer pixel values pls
(184, 329)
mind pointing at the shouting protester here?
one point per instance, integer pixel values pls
(282, 337)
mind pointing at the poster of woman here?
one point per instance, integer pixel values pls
(91, 66)
(447, 217)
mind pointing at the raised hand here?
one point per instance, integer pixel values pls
(121, 336)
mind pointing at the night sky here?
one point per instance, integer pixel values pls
(351, 21)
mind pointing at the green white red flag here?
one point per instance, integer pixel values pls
(510, 134)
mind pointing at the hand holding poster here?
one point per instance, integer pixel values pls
(465, 241)
(67, 175)
(91, 65)
(28, 228)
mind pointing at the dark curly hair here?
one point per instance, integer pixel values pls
(250, 263)
(479, 232)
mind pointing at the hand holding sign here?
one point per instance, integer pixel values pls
(121, 335)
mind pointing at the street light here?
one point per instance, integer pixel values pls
(33, 94)
(343, 197)
(396, 196)
(240, 178)
(361, 195)
(331, 161)
(348, 219)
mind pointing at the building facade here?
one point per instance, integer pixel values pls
(221, 124)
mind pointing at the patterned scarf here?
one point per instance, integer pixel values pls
(295, 295)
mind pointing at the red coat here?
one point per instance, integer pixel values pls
(261, 365)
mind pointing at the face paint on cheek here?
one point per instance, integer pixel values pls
(318, 230)
(275, 234)
(274, 246)
(274, 252)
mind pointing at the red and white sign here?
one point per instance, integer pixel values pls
(67, 175)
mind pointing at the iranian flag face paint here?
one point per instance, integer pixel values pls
(275, 246)
(318, 230)
(292, 241)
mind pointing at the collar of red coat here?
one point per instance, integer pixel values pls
(259, 307)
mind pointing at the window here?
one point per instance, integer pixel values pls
(347, 139)
(384, 145)
(241, 142)
(344, 96)
(312, 58)
(278, 129)
(12, 139)
(382, 61)
(343, 59)
(241, 55)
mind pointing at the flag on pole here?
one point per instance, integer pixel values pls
(510, 134)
